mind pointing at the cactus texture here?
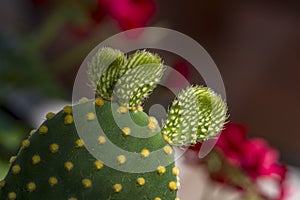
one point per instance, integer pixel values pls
(54, 163)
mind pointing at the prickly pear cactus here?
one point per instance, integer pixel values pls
(54, 163)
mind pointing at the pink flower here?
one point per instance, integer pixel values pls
(253, 157)
(130, 13)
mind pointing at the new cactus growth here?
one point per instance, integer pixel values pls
(130, 157)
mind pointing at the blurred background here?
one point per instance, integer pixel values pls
(255, 44)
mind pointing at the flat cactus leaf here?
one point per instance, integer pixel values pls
(54, 163)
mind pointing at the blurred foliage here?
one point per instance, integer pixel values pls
(49, 41)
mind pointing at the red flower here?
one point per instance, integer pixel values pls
(130, 13)
(254, 157)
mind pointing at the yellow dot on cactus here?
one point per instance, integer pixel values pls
(90, 116)
(145, 153)
(36, 159)
(167, 139)
(140, 108)
(177, 198)
(87, 183)
(101, 140)
(32, 132)
(157, 198)
(83, 100)
(173, 185)
(98, 165)
(161, 170)
(16, 169)
(99, 101)
(122, 109)
(2, 184)
(12, 159)
(52, 181)
(68, 165)
(168, 150)
(152, 123)
(175, 171)
(121, 159)
(50, 115)
(68, 119)
(140, 181)
(126, 131)
(79, 143)
(54, 147)
(31, 186)
(67, 109)
(25, 143)
(72, 198)
(117, 187)
(43, 129)
(12, 196)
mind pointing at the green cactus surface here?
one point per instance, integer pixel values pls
(107, 148)
(53, 162)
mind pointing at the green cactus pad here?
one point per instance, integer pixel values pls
(110, 149)
(53, 163)
(197, 114)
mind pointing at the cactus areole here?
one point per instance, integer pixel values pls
(54, 163)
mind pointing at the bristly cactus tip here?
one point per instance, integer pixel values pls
(130, 80)
(197, 114)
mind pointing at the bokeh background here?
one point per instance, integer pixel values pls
(255, 44)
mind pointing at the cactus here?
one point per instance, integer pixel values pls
(54, 163)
